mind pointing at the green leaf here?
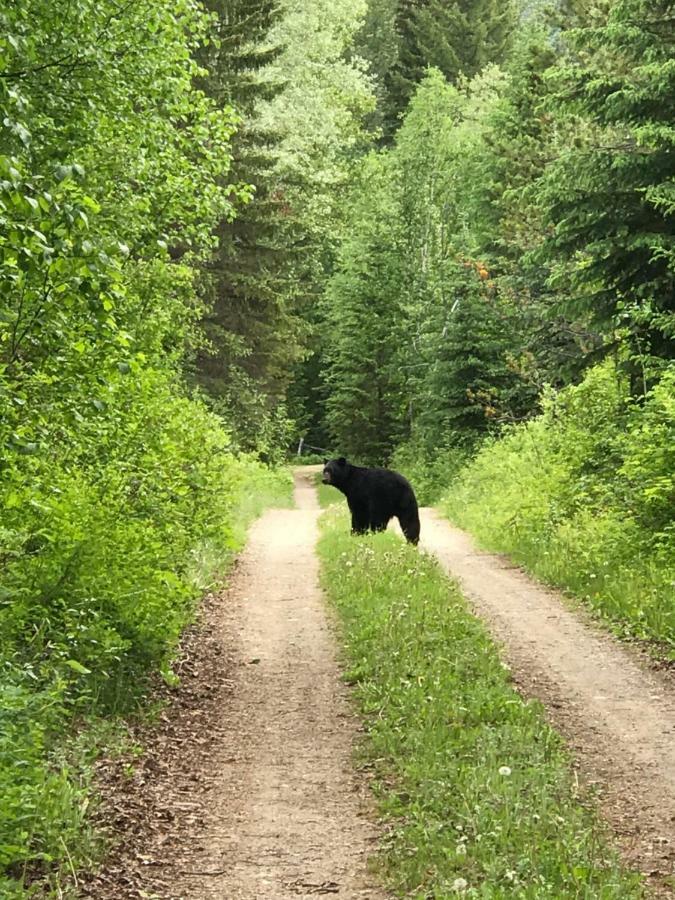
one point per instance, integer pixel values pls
(78, 667)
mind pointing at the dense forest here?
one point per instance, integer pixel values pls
(431, 234)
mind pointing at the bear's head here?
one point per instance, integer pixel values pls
(335, 471)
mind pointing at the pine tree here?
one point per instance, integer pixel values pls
(465, 374)
(468, 387)
(519, 145)
(378, 43)
(459, 38)
(610, 198)
(250, 331)
(364, 322)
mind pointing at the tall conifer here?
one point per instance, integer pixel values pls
(459, 38)
(249, 330)
(610, 195)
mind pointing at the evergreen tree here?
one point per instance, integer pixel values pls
(378, 43)
(322, 112)
(609, 196)
(364, 394)
(459, 38)
(469, 386)
(466, 372)
(519, 143)
(251, 334)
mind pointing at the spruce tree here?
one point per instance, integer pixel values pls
(459, 38)
(378, 43)
(250, 332)
(610, 195)
(519, 144)
(364, 386)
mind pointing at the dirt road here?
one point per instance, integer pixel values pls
(617, 715)
(286, 818)
(247, 790)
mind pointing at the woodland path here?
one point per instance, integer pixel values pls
(287, 818)
(617, 715)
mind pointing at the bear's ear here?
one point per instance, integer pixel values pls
(342, 461)
(325, 462)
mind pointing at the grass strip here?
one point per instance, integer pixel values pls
(475, 787)
(327, 494)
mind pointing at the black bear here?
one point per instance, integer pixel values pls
(374, 496)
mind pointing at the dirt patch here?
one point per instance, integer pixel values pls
(617, 716)
(250, 791)
(148, 799)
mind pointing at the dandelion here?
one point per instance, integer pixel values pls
(504, 770)
(459, 885)
(460, 849)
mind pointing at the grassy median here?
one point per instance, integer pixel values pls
(476, 789)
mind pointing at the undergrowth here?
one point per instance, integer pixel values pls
(475, 787)
(584, 497)
(429, 472)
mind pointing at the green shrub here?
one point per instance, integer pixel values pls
(584, 497)
(428, 471)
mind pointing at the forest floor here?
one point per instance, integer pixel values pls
(247, 788)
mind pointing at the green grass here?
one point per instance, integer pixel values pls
(327, 495)
(475, 787)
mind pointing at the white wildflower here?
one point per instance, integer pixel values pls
(504, 770)
(459, 885)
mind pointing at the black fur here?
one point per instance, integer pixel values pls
(374, 497)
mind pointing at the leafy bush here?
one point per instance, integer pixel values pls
(584, 497)
(428, 471)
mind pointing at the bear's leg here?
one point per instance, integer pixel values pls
(409, 521)
(377, 523)
(377, 519)
(359, 519)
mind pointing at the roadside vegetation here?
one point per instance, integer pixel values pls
(475, 788)
(583, 497)
(123, 492)
(118, 580)
(226, 225)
